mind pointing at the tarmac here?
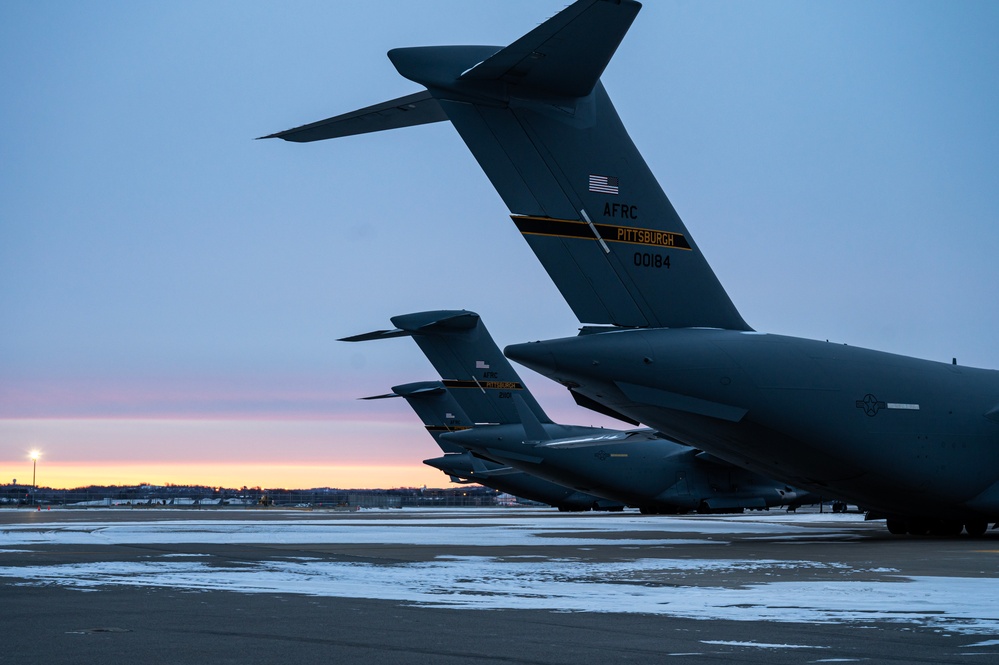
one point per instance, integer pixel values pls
(229, 588)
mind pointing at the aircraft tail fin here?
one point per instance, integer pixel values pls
(543, 129)
(540, 124)
(472, 367)
(533, 429)
(436, 407)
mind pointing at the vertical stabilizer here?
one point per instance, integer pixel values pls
(533, 429)
(436, 407)
(473, 368)
(539, 123)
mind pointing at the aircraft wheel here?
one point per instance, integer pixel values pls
(917, 527)
(976, 528)
(896, 526)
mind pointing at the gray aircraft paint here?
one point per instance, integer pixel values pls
(441, 413)
(466, 357)
(637, 468)
(904, 437)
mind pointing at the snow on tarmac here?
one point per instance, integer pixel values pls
(471, 530)
(677, 586)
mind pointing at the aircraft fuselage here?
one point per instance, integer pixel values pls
(638, 468)
(897, 435)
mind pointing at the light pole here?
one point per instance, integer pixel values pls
(34, 464)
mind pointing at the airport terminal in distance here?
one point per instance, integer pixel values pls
(201, 496)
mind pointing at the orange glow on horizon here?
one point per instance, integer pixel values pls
(293, 454)
(265, 475)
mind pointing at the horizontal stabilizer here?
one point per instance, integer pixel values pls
(418, 109)
(386, 396)
(375, 334)
(565, 55)
(419, 388)
(413, 389)
(442, 321)
(437, 321)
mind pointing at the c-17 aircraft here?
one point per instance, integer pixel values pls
(911, 440)
(441, 414)
(639, 468)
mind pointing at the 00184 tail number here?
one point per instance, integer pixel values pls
(651, 260)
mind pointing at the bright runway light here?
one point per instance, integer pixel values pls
(34, 455)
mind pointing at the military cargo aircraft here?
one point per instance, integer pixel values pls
(638, 468)
(913, 441)
(441, 414)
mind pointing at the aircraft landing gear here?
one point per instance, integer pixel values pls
(976, 528)
(896, 526)
(916, 526)
(661, 509)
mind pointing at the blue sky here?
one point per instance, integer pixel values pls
(836, 162)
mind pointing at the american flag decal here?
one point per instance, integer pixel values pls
(603, 184)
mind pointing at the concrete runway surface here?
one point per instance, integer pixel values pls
(509, 585)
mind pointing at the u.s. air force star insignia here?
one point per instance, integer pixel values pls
(870, 404)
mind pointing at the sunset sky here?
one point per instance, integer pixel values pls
(171, 290)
